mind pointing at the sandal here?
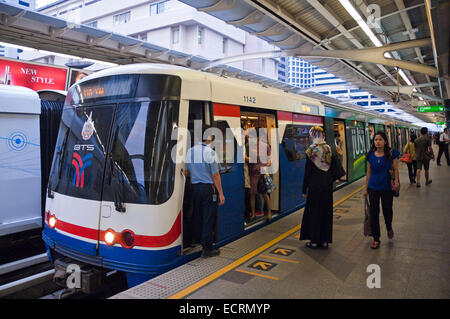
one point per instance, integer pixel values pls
(375, 245)
(390, 234)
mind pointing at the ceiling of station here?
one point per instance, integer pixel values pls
(294, 26)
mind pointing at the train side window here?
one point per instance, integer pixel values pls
(225, 146)
(295, 142)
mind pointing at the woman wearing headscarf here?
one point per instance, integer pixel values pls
(317, 223)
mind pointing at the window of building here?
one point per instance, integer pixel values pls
(93, 24)
(200, 35)
(175, 35)
(122, 18)
(339, 92)
(24, 3)
(224, 45)
(157, 8)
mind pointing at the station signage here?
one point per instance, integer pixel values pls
(431, 108)
(34, 76)
(440, 123)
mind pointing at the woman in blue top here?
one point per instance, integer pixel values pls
(381, 159)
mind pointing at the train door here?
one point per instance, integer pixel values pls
(356, 149)
(230, 217)
(294, 134)
(389, 134)
(340, 143)
(371, 134)
(253, 123)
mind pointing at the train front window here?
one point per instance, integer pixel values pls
(140, 168)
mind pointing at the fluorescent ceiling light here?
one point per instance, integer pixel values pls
(355, 15)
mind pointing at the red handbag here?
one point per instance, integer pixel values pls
(406, 158)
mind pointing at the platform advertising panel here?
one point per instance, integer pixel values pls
(356, 150)
(34, 76)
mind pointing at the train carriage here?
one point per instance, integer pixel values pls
(115, 192)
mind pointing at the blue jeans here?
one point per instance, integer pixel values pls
(205, 212)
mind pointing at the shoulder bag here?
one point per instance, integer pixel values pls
(367, 228)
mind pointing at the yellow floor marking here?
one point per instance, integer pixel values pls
(348, 196)
(220, 272)
(255, 274)
(280, 259)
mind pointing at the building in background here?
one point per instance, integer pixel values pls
(295, 71)
(10, 52)
(168, 23)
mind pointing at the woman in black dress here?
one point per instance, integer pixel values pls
(317, 223)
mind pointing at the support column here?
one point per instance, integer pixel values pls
(447, 113)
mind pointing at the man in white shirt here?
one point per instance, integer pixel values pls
(443, 147)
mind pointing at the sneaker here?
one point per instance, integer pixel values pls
(429, 182)
(418, 185)
(312, 245)
(210, 253)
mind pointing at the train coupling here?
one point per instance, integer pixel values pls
(77, 276)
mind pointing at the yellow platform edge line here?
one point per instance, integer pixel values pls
(220, 272)
(256, 274)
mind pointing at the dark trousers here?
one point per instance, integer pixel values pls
(443, 149)
(374, 202)
(412, 169)
(205, 212)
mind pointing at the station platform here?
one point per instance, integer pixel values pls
(271, 263)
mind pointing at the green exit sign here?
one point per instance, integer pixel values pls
(431, 108)
(440, 123)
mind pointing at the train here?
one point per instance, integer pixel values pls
(115, 195)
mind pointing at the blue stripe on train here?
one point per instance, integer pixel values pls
(137, 261)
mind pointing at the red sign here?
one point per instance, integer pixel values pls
(307, 118)
(33, 76)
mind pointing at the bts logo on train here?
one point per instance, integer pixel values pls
(80, 164)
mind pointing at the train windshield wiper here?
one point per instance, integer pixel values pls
(61, 156)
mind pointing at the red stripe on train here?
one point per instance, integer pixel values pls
(140, 240)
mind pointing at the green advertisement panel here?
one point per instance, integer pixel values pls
(356, 149)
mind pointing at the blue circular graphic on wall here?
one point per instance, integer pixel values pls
(17, 141)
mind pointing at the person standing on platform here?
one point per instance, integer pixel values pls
(443, 147)
(202, 165)
(382, 162)
(412, 167)
(424, 153)
(317, 222)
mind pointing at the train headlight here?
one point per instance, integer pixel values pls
(52, 221)
(110, 237)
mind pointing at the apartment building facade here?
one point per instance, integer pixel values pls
(168, 23)
(300, 73)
